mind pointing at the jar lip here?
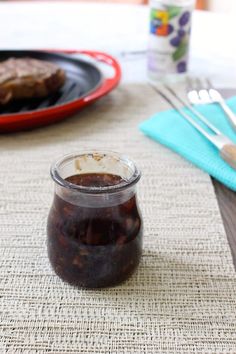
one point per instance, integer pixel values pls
(124, 184)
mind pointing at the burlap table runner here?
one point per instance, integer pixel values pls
(183, 297)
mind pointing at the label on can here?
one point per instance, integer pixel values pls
(169, 39)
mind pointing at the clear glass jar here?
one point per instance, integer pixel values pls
(94, 227)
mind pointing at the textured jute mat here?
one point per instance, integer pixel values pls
(183, 297)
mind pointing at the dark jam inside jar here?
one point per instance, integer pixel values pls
(94, 246)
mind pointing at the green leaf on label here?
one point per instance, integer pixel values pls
(180, 51)
(153, 14)
(173, 11)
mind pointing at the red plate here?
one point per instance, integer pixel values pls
(73, 96)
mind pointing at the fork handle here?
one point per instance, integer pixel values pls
(231, 115)
(228, 153)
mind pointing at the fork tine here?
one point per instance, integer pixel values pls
(198, 82)
(209, 84)
(189, 83)
(204, 96)
(191, 89)
(203, 90)
(203, 83)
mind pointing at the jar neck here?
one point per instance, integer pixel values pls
(87, 200)
(87, 192)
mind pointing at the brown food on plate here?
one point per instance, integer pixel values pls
(28, 78)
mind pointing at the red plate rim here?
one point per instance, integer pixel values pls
(19, 121)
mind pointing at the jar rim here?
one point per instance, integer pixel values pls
(124, 184)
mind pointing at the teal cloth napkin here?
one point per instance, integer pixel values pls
(171, 130)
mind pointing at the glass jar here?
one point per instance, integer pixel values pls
(94, 226)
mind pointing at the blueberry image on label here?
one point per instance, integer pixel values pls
(175, 42)
(153, 29)
(170, 29)
(181, 33)
(184, 18)
(182, 67)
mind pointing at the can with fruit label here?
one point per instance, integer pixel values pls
(169, 37)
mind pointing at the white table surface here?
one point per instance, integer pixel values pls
(117, 28)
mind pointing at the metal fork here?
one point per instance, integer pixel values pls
(226, 147)
(201, 91)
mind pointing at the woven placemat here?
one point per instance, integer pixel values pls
(183, 297)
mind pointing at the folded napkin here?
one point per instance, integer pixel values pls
(173, 131)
